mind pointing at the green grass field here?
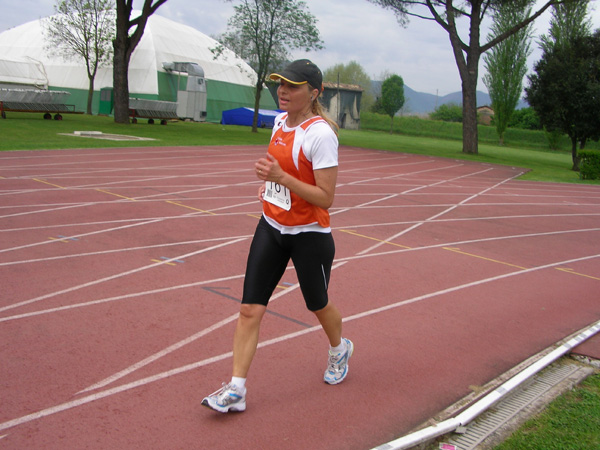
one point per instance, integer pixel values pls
(571, 422)
(29, 131)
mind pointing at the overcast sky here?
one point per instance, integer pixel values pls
(351, 30)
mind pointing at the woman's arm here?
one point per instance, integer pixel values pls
(321, 195)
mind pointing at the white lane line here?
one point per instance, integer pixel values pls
(232, 277)
(435, 216)
(116, 276)
(466, 219)
(409, 191)
(153, 196)
(106, 230)
(120, 250)
(178, 370)
(145, 222)
(468, 241)
(178, 345)
(117, 298)
(364, 206)
(404, 174)
(158, 355)
(139, 179)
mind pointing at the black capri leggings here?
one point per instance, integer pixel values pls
(311, 252)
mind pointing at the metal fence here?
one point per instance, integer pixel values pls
(152, 109)
(29, 100)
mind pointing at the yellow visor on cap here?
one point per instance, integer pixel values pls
(276, 76)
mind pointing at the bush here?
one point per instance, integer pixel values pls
(589, 165)
(526, 119)
(448, 112)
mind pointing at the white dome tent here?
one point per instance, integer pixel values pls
(229, 80)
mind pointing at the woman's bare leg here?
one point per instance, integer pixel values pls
(331, 321)
(245, 339)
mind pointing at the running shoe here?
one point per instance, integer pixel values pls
(337, 366)
(228, 398)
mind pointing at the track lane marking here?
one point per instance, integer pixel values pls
(456, 250)
(47, 182)
(116, 276)
(121, 250)
(571, 271)
(186, 368)
(117, 298)
(189, 207)
(451, 208)
(116, 195)
(184, 342)
(353, 233)
(348, 258)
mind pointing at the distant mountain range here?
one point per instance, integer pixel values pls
(423, 103)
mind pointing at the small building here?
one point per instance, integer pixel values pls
(342, 103)
(484, 115)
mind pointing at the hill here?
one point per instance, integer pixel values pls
(424, 103)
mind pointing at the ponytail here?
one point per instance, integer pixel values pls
(317, 109)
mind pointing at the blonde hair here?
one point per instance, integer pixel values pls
(317, 109)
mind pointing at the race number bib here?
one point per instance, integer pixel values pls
(278, 195)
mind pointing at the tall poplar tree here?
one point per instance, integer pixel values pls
(569, 21)
(506, 63)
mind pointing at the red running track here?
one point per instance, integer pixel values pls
(122, 269)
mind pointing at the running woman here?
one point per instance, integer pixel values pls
(299, 173)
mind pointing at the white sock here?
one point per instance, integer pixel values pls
(339, 349)
(239, 382)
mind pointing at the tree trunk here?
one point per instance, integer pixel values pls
(574, 155)
(121, 66)
(90, 95)
(468, 77)
(121, 87)
(470, 135)
(256, 106)
(124, 45)
(467, 61)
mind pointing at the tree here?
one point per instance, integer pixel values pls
(82, 29)
(263, 32)
(565, 90)
(569, 20)
(129, 32)
(352, 73)
(392, 96)
(466, 54)
(506, 63)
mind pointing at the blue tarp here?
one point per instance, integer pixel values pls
(244, 116)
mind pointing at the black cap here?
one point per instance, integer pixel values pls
(300, 72)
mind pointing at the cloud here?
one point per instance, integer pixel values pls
(353, 30)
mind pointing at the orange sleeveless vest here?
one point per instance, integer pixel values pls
(286, 147)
